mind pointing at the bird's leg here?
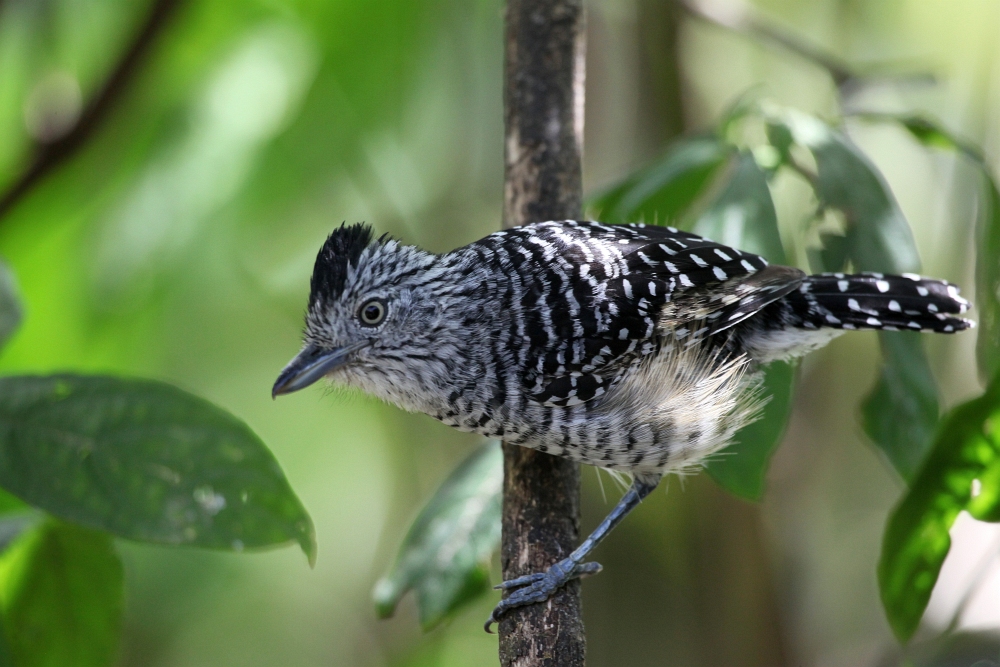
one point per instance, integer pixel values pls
(540, 586)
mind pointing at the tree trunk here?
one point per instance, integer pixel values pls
(543, 113)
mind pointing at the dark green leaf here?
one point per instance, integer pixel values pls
(445, 555)
(832, 256)
(901, 412)
(878, 235)
(9, 503)
(741, 467)
(6, 659)
(664, 191)
(10, 304)
(988, 279)
(965, 459)
(934, 134)
(878, 239)
(61, 588)
(743, 216)
(145, 461)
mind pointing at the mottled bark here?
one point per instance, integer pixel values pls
(543, 113)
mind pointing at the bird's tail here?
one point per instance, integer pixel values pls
(875, 301)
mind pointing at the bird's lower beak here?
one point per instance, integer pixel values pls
(309, 365)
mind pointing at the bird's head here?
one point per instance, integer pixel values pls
(370, 304)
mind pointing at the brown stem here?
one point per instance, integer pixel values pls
(47, 157)
(543, 113)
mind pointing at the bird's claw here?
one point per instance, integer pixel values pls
(538, 587)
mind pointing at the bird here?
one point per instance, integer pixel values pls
(632, 347)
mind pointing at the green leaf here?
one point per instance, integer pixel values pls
(743, 216)
(966, 455)
(664, 191)
(878, 239)
(445, 555)
(901, 412)
(62, 597)
(10, 304)
(740, 468)
(931, 133)
(6, 659)
(145, 461)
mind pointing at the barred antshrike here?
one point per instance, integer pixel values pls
(630, 347)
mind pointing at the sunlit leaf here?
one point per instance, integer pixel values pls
(878, 238)
(145, 461)
(664, 191)
(61, 597)
(741, 467)
(965, 459)
(445, 555)
(901, 412)
(10, 304)
(832, 256)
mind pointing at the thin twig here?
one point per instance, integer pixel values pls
(739, 18)
(47, 157)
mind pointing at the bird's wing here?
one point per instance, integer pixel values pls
(624, 288)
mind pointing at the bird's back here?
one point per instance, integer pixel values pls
(637, 347)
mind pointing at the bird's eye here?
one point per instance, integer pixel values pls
(372, 312)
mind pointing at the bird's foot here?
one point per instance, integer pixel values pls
(539, 587)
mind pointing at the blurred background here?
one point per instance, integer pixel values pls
(168, 170)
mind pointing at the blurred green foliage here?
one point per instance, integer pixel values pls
(446, 553)
(177, 244)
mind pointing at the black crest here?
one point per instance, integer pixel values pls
(342, 249)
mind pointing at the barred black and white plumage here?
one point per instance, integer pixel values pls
(631, 347)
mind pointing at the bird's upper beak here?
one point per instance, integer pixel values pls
(309, 365)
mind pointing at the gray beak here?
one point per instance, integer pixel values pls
(309, 365)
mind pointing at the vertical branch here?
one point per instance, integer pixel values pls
(543, 113)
